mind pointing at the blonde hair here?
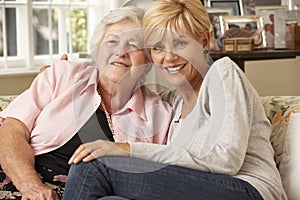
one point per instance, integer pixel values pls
(175, 15)
(130, 13)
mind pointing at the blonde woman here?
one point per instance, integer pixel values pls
(218, 143)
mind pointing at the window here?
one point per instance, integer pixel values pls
(37, 32)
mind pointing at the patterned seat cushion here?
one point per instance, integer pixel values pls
(278, 109)
(5, 100)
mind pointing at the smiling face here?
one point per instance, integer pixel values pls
(121, 53)
(180, 58)
(181, 54)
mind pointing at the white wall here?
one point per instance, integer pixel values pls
(15, 84)
(275, 77)
(269, 77)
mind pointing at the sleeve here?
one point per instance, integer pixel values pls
(28, 105)
(215, 136)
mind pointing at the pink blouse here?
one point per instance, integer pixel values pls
(62, 98)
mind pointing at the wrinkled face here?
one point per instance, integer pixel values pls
(121, 52)
(180, 58)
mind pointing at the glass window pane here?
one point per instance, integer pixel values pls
(42, 33)
(11, 31)
(1, 33)
(54, 31)
(79, 30)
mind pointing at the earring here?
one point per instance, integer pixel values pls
(209, 59)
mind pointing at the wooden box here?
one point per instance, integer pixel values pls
(244, 44)
(229, 45)
(238, 44)
(292, 36)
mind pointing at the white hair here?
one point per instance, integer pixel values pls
(131, 13)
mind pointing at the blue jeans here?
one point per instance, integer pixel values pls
(129, 178)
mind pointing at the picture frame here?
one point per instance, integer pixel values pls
(267, 13)
(214, 16)
(243, 22)
(282, 18)
(237, 5)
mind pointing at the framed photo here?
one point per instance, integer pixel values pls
(282, 19)
(242, 22)
(214, 16)
(267, 13)
(247, 23)
(236, 5)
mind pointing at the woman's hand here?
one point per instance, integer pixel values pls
(63, 57)
(40, 192)
(99, 148)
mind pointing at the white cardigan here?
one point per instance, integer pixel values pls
(227, 132)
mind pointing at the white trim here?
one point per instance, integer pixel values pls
(25, 62)
(18, 73)
(4, 38)
(62, 35)
(30, 35)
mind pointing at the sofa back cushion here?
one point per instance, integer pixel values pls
(278, 109)
(289, 167)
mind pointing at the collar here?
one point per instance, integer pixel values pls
(135, 104)
(91, 77)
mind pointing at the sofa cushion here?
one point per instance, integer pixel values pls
(5, 100)
(278, 109)
(289, 167)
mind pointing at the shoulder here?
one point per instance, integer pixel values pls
(69, 69)
(226, 78)
(225, 64)
(227, 71)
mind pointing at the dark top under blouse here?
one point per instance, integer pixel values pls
(54, 167)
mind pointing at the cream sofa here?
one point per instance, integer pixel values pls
(278, 109)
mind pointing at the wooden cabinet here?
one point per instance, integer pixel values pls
(261, 54)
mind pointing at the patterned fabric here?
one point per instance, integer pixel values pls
(278, 109)
(9, 191)
(5, 100)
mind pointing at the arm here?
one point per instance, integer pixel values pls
(17, 157)
(218, 131)
(17, 160)
(215, 136)
(99, 148)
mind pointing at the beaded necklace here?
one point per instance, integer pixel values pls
(108, 117)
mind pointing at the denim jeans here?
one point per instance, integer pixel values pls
(129, 178)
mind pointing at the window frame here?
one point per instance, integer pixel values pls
(25, 61)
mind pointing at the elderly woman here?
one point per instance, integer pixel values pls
(71, 103)
(218, 143)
